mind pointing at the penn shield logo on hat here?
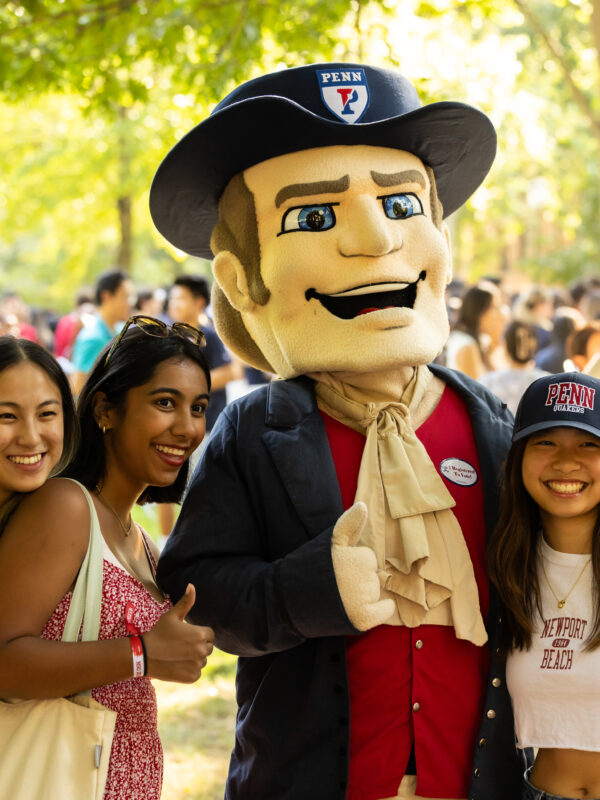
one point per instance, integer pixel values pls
(569, 399)
(345, 92)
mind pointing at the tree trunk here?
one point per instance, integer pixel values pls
(596, 27)
(124, 253)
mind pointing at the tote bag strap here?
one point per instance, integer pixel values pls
(87, 594)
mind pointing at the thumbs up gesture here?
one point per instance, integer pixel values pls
(177, 651)
(356, 572)
(185, 604)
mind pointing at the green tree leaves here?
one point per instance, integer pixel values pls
(93, 93)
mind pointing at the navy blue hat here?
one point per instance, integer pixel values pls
(314, 106)
(568, 399)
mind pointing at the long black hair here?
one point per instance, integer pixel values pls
(18, 351)
(476, 301)
(132, 363)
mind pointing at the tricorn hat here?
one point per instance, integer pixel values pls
(314, 106)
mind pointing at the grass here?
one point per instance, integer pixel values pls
(196, 724)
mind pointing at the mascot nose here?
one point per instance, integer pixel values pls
(364, 230)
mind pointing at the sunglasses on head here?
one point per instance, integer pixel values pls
(159, 329)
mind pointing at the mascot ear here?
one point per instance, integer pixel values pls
(446, 235)
(231, 277)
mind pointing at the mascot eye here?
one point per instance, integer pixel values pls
(308, 218)
(401, 206)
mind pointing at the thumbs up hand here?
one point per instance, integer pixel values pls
(177, 651)
(185, 604)
(356, 572)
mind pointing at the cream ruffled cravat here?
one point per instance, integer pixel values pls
(423, 560)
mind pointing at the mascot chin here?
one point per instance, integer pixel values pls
(335, 528)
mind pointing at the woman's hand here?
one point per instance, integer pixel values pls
(176, 650)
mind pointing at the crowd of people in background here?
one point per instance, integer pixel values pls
(506, 340)
(503, 339)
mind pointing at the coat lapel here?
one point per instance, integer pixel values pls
(298, 444)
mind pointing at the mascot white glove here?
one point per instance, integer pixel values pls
(356, 572)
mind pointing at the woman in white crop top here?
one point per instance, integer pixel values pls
(544, 559)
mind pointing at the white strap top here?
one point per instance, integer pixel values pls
(109, 556)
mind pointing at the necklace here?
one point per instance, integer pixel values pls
(561, 603)
(105, 502)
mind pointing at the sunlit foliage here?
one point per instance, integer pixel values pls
(93, 94)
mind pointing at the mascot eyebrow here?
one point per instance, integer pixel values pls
(306, 189)
(342, 184)
(399, 178)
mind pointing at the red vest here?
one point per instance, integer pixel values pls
(418, 685)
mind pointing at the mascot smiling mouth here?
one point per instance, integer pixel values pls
(370, 297)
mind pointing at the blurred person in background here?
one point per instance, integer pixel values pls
(454, 294)
(536, 307)
(472, 346)
(17, 316)
(583, 346)
(70, 324)
(590, 305)
(114, 298)
(151, 301)
(565, 323)
(561, 298)
(256, 377)
(44, 320)
(520, 344)
(580, 292)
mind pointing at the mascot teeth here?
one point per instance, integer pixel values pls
(370, 288)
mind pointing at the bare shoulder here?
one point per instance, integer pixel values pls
(41, 551)
(58, 509)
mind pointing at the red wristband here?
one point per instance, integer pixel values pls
(137, 651)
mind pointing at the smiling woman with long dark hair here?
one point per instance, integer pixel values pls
(37, 420)
(141, 414)
(544, 559)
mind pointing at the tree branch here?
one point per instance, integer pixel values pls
(557, 53)
(233, 34)
(98, 9)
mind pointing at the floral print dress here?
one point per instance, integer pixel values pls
(136, 760)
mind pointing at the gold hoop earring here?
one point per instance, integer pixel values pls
(104, 429)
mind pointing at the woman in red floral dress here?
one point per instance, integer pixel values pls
(141, 415)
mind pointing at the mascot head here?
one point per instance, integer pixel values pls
(322, 191)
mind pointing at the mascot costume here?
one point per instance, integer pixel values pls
(335, 528)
